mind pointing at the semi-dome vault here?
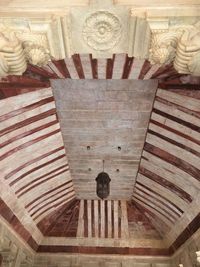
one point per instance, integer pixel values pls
(75, 92)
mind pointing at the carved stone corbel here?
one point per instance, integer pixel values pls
(187, 58)
(180, 45)
(19, 48)
(12, 57)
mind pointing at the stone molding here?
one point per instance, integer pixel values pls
(159, 35)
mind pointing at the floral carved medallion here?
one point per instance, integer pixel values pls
(102, 30)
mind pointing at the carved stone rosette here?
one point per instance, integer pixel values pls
(102, 30)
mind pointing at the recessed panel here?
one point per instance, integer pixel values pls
(104, 120)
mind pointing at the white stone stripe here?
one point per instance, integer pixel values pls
(173, 149)
(23, 156)
(177, 113)
(109, 208)
(118, 66)
(173, 171)
(102, 62)
(102, 208)
(55, 175)
(37, 163)
(116, 219)
(80, 229)
(163, 191)
(176, 125)
(173, 178)
(36, 174)
(27, 139)
(153, 70)
(175, 137)
(52, 209)
(185, 101)
(55, 69)
(27, 128)
(153, 201)
(71, 68)
(163, 218)
(96, 218)
(23, 100)
(124, 220)
(139, 187)
(45, 202)
(136, 68)
(48, 185)
(20, 212)
(89, 216)
(86, 64)
(26, 115)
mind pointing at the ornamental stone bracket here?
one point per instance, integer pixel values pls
(160, 35)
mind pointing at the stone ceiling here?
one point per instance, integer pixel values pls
(41, 192)
(126, 92)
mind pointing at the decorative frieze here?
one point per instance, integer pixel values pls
(162, 36)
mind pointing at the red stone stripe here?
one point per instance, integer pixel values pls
(173, 142)
(49, 222)
(193, 94)
(153, 208)
(156, 193)
(9, 216)
(127, 67)
(78, 65)
(28, 121)
(41, 72)
(94, 66)
(51, 196)
(145, 68)
(158, 200)
(175, 131)
(26, 108)
(146, 200)
(15, 171)
(50, 202)
(27, 144)
(40, 177)
(166, 184)
(186, 234)
(178, 120)
(37, 168)
(109, 67)
(104, 250)
(182, 108)
(162, 71)
(175, 85)
(45, 194)
(41, 182)
(179, 163)
(53, 206)
(15, 85)
(14, 222)
(22, 135)
(61, 66)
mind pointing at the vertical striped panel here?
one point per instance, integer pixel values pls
(80, 230)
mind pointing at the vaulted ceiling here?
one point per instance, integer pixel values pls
(47, 172)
